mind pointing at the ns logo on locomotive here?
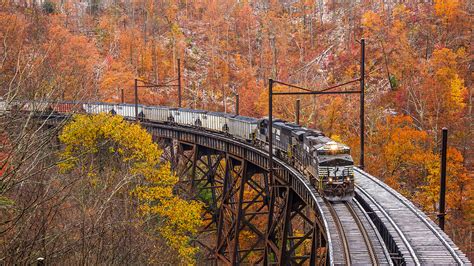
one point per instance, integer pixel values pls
(327, 164)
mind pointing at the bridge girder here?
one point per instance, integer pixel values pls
(248, 219)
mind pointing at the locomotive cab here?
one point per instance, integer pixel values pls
(335, 171)
(262, 129)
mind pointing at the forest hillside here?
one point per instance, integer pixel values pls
(419, 77)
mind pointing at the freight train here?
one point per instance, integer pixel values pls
(326, 163)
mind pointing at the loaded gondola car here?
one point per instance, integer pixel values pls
(66, 107)
(187, 116)
(216, 121)
(127, 110)
(157, 113)
(96, 108)
(242, 127)
(37, 107)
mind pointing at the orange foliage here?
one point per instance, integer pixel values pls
(447, 9)
(418, 70)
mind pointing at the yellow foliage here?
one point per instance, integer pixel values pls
(372, 21)
(444, 64)
(457, 91)
(458, 184)
(87, 135)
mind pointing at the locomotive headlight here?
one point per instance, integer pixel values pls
(348, 178)
(330, 180)
(333, 147)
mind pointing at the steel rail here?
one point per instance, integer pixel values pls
(395, 226)
(379, 237)
(417, 213)
(342, 234)
(363, 231)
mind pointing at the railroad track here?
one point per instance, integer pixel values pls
(341, 232)
(419, 240)
(356, 242)
(409, 252)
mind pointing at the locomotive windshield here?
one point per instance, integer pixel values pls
(333, 148)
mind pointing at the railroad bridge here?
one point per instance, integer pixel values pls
(250, 219)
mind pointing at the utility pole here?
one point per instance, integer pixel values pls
(362, 98)
(237, 104)
(271, 94)
(297, 111)
(442, 192)
(270, 171)
(136, 99)
(179, 82)
(122, 96)
(306, 91)
(270, 129)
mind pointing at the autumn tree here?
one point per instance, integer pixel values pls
(418, 66)
(36, 66)
(94, 143)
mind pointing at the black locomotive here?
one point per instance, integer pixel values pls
(327, 163)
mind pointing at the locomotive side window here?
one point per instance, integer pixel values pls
(333, 152)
